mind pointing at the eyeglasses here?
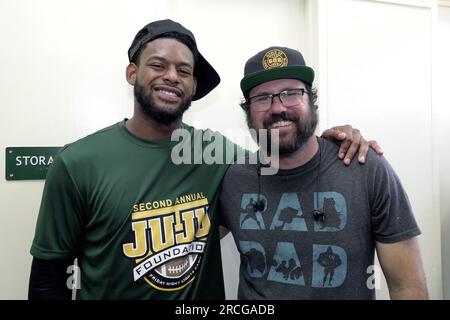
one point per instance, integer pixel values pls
(288, 97)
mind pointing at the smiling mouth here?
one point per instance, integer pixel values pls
(281, 124)
(167, 93)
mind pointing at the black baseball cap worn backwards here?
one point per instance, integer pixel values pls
(275, 63)
(207, 77)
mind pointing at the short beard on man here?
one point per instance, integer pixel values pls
(305, 129)
(152, 110)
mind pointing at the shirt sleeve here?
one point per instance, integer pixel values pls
(60, 222)
(392, 218)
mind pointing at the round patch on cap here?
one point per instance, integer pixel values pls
(274, 59)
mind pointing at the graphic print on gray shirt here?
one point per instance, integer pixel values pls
(286, 254)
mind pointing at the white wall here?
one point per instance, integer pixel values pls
(377, 63)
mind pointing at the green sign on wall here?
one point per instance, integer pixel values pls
(28, 163)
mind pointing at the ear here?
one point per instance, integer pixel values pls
(131, 73)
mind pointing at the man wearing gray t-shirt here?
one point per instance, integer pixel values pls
(310, 231)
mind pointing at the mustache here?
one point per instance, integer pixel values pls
(283, 116)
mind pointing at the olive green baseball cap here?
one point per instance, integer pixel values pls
(275, 63)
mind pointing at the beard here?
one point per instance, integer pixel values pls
(157, 113)
(305, 129)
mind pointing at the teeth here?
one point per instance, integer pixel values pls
(279, 124)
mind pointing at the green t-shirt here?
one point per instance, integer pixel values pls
(141, 226)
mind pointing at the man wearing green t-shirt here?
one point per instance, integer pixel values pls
(141, 226)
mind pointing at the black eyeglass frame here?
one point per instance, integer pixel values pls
(284, 92)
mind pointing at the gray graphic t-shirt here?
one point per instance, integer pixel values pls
(287, 253)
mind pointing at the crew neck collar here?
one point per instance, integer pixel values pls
(160, 143)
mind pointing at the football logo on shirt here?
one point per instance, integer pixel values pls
(169, 240)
